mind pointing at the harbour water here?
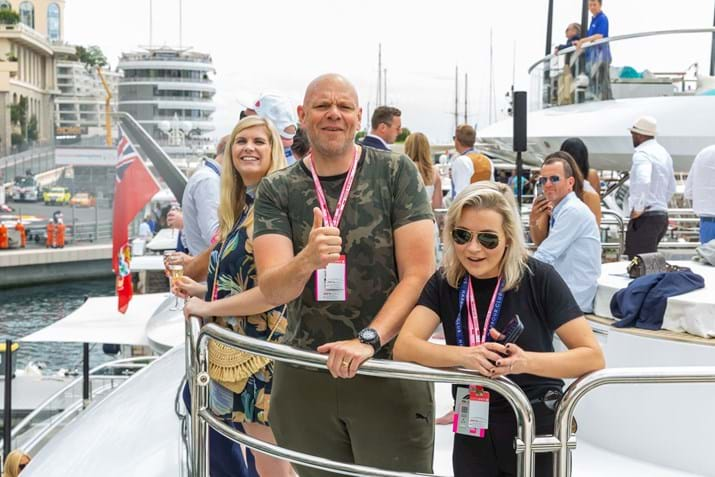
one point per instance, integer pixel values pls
(28, 309)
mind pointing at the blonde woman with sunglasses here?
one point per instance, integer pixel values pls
(500, 309)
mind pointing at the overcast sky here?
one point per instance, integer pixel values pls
(281, 45)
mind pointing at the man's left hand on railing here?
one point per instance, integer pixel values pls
(345, 357)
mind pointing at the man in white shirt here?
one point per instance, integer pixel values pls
(469, 166)
(200, 203)
(700, 188)
(652, 186)
(573, 246)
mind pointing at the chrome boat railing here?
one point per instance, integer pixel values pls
(52, 423)
(202, 418)
(526, 443)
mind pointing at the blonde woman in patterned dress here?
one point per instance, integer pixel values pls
(232, 298)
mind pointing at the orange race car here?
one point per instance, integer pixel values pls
(83, 199)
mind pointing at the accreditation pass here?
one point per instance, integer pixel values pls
(471, 417)
(331, 281)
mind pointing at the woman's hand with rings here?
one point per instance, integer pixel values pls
(515, 362)
(482, 358)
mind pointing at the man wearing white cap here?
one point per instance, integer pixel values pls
(282, 114)
(652, 186)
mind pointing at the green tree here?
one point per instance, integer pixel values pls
(32, 129)
(92, 56)
(9, 17)
(18, 114)
(403, 135)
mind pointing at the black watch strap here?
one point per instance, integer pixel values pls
(371, 337)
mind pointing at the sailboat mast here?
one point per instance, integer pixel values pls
(456, 97)
(379, 74)
(466, 85)
(367, 118)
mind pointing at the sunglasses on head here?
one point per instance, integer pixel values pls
(554, 179)
(488, 240)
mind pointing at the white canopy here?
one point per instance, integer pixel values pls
(98, 321)
(147, 263)
(165, 239)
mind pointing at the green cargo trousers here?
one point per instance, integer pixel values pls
(377, 422)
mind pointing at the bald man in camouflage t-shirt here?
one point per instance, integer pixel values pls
(383, 244)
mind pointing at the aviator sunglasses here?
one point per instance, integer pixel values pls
(488, 240)
(554, 180)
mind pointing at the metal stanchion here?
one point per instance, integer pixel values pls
(85, 374)
(7, 414)
(74, 226)
(96, 222)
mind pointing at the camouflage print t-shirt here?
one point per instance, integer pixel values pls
(386, 194)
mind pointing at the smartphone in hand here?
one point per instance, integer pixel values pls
(511, 331)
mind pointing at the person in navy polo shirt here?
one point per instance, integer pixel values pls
(598, 58)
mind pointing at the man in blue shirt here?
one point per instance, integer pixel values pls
(573, 245)
(598, 58)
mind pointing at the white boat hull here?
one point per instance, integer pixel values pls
(685, 126)
(134, 431)
(669, 426)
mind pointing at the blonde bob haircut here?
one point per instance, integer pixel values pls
(496, 197)
(232, 200)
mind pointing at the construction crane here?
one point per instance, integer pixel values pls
(107, 107)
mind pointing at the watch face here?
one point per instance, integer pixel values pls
(368, 335)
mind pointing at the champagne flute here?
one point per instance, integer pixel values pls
(176, 271)
(167, 260)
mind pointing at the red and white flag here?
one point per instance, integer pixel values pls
(134, 187)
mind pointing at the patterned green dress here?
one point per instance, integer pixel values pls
(236, 269)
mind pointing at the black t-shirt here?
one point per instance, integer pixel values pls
(542, 300)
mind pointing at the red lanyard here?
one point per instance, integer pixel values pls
(472, 317)
(330, 220)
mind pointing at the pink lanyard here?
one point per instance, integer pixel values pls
(333, 221)
(472, 317)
